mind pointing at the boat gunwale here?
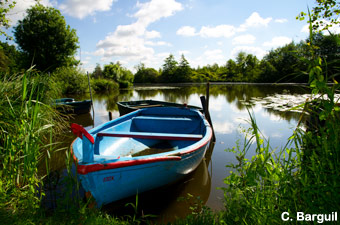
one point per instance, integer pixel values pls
(85, 169)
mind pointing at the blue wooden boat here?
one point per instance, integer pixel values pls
(130, 106)
(140, 151)
(69, 105)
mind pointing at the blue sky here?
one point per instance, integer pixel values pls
(205, 31)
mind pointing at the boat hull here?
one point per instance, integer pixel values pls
(68, 105)
(107, 186)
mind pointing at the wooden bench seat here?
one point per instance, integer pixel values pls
(149, 135)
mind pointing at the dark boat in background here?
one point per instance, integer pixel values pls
(69, 105)
(130, 106)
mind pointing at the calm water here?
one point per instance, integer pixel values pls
(228, 111)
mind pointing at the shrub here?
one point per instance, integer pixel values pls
(103, 85)
(70, 80)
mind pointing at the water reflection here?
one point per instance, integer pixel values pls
(228, 110)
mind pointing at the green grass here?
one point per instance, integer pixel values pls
(304, 176)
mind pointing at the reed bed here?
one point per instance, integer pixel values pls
(27, 125)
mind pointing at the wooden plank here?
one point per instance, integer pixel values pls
(158, 136)
(145, 106)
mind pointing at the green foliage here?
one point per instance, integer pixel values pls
(70, 80)
(103, 85)
(98, 72)
(183, 72)
(5, 7)
(303, 177)
(112, 71)
(26, 124)
(146, 75)
(119, 74)
(174, 72)
(324, 16)
(283, 65)
(169, 70)
(261, 188)
(126, 78)
(46, 39)
(10, 59)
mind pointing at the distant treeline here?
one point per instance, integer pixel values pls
(284, 64)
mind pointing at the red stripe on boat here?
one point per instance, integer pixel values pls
(84, 169)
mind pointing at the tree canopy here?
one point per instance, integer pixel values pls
(46, 39)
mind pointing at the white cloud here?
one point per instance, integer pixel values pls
(128, 42)
(152, 34)
(209, 57)
(226, 30)
(186, 31)
(281, 21)
(158, 43)
(218, 31)
(19, 10)
(244, 39)
(278, 41)
(83, 8)
(154, 10)
(254, 21)
(224, 128)
(258, 52)
(183, 52)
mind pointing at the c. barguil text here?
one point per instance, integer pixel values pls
(319, 218)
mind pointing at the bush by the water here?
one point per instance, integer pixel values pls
(103, 85)
(70, 80)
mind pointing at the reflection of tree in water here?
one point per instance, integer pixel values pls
(287, 115)
(242, 95)
(111, 98)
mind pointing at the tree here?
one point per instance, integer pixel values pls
(169, 69)
(112, 71)
(119, 74)
(287, 65)
(183, 71)
(11, 60)
(46, 39)
(146, 75)
(5, 7)
(98, 72)
(231, 70)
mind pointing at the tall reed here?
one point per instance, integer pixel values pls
(27, 123)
